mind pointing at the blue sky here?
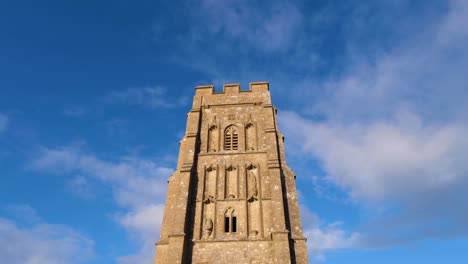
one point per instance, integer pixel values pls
(371, 97)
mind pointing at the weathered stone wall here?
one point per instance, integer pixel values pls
(232, 252)
(232, 198)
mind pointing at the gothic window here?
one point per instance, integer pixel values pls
(230, 221)
(231, 138)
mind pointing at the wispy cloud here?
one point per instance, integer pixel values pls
(227, 41)
(3, 122)
(47, 243)
(271, 29)
(138, 184)
(81, 186)
(149, 97)
(22, 213)
(134, 180)
(76, 111)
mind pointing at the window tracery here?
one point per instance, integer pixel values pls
(231, 138)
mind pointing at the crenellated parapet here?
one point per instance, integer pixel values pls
(206, 96)
(254, 87)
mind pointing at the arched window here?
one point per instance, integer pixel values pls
(230, 221)
(231, 138)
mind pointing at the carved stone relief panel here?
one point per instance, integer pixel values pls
(254, 205)
(213, 138)
(207, 227)
(210, 184)
(250, 137)
(231, 182)
(252, 185)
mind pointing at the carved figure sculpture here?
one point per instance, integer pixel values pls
(208, 199)
(207, 227)
(252, 190)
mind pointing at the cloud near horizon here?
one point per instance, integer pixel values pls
(139, 186)
(46, 243)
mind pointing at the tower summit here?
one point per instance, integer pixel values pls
(232, 198)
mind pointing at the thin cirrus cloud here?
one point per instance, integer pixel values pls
(138, 186)
(238, 33)
(269, 30)
(3, 122)
(148, 97)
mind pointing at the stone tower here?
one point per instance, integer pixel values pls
(232, 198)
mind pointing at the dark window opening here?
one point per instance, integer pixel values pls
(226, 224)
(234, 224)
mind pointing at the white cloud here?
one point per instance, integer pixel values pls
(42, 243)
(3, 122)
(322, 237)
(391, 132)
(331, 237)
(144, 220)
(139, 186)
(425, 74)
(384, 160)
(144, 224)
(134, 181)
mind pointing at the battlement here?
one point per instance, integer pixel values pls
(254, 87)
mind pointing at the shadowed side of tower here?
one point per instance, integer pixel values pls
(232, 198)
